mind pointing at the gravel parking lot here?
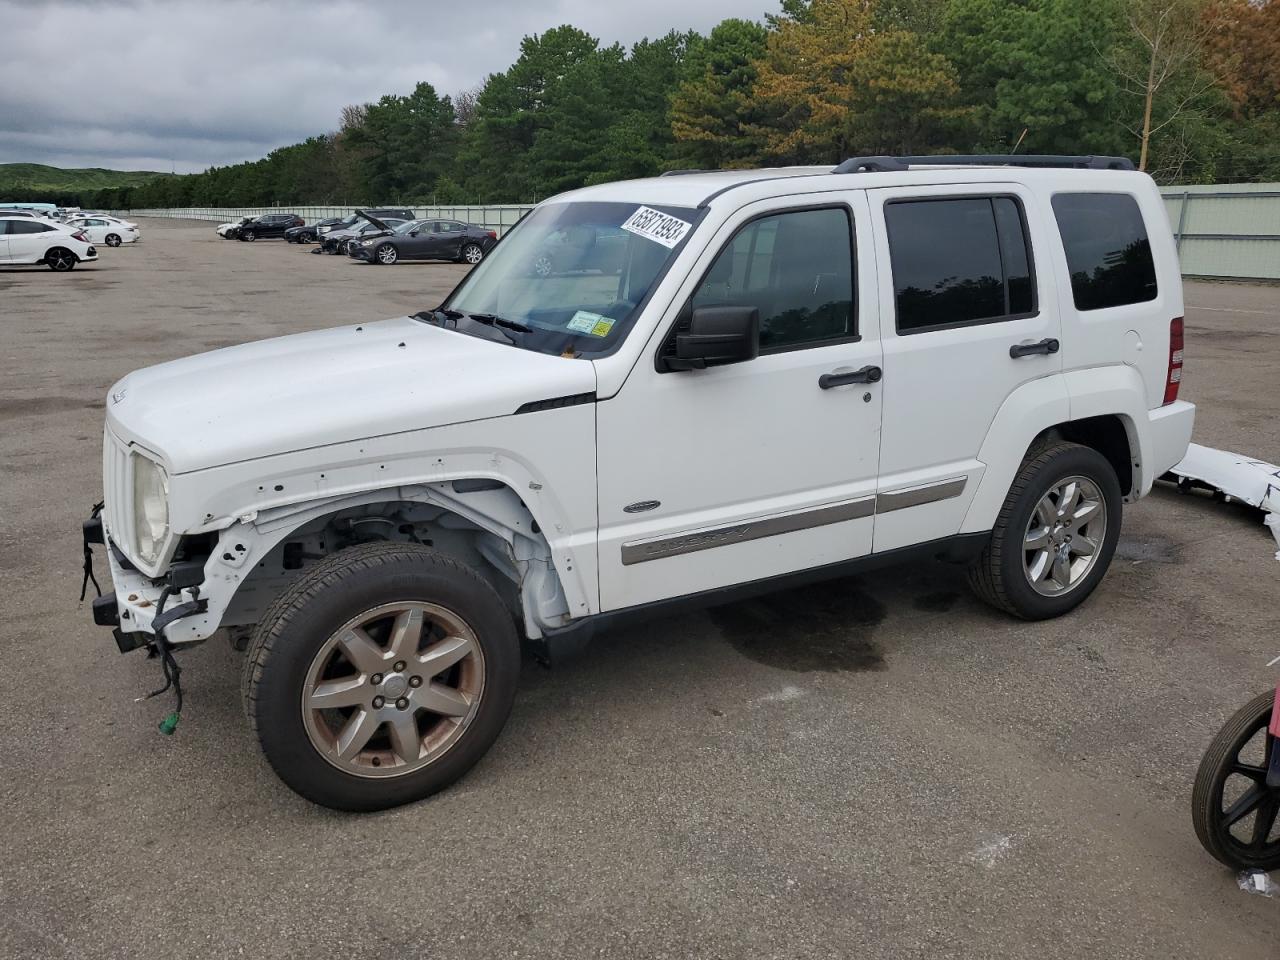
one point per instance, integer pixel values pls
(876, 767)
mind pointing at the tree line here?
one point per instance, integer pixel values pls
(1189, 89)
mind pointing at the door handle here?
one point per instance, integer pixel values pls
(865, 375)
(1046, 346)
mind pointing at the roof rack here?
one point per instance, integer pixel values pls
(897, 164)
(685, 173)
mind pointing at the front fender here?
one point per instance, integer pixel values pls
(546, 457)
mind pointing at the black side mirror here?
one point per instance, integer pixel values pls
(717, 336)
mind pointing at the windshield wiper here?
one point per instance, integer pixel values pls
(497, 321)
(431, 316)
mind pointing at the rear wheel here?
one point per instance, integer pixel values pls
(60, 259)
(387, 254)
(471, 253)
(1232, 808)
(381, 676)
(113, 240)
(1055, 535)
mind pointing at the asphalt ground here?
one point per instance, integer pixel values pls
(876, 767)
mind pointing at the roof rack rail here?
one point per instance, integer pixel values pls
(685, 173)
(892, 164)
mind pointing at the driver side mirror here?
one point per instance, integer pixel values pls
(413, 233)
(717, 336)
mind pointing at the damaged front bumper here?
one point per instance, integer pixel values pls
(138, 607)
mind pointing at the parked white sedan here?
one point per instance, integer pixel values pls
(104, 229)
(60, 248)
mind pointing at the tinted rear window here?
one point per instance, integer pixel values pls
(1108, 253)
(958, 261)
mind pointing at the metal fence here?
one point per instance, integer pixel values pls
(497, 218)
(1227, 231)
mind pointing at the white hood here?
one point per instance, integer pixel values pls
(312, 389)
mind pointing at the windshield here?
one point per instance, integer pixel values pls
(571, 278)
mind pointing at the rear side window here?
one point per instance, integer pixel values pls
(28, 226)
(959, 261)
(1108, 253)
(797, 269)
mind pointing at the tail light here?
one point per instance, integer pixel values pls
(81, 236)
(1175, 360)
(493, 234)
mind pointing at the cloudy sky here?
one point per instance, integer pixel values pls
(183, 84)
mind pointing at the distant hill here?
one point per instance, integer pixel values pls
(28, 177)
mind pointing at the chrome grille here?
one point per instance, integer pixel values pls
(117, 493)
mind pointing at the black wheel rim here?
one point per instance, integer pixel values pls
(61, 260)
(1245, 809)
(113, 241)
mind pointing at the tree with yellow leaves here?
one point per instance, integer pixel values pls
(831, 85)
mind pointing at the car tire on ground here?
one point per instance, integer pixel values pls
(471, 253)
(434, 635)
(1055, 535)
(386, 254)
(60, 259)
(249, 235)
(1253, 808)
(113, 240)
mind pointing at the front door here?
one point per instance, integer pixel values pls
(710, 478)
(959, 287)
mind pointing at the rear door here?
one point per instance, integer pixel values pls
(970, 314)
(4, 240)
(28, 240)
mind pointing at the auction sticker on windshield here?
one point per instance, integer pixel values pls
(657, 226)
(584, 321)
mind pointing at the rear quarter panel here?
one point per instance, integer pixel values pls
(1134, 335)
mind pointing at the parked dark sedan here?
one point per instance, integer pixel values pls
(427, 240)
(308, 232)
(269, 225)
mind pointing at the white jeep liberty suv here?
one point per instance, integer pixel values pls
(681, 388)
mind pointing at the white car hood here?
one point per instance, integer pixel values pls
(329, 386)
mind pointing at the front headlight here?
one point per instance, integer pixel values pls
(367, 243)
(150, 508)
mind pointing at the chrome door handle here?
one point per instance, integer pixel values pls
(1046, 346)
(865, 375)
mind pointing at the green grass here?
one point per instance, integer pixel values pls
(36, 176)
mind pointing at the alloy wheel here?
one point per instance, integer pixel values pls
(393, 689)
(1064, 536)
(472, 254)
(387, 254)
(60, 260)
(113, 240)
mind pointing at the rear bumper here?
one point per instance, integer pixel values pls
(1169, 428)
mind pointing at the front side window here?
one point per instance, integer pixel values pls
(797, 269)
(1108, 253)
(570, 278)
(959, 261)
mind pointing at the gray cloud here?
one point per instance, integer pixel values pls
(189, 83)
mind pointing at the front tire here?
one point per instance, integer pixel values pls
(249, 235)
(1055, 535)
(386, 254)
(431, 631)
